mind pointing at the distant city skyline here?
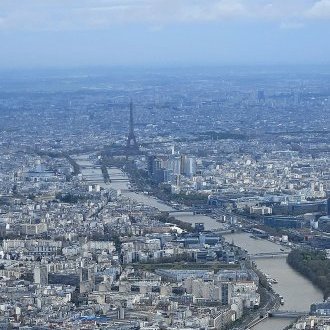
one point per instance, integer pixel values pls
(158, 32)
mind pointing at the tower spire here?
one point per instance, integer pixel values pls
(132, 145)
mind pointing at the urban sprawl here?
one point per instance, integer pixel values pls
(123, 194)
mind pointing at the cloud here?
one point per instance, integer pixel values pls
(165, 11)
(99, 14)
(321, 9)
(69, 14)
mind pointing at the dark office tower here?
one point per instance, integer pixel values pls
(328, 206)
(296, 98)
(151, 164)
(131, 146)
(261, 96)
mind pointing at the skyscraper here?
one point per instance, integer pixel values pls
(261, 96)
(40, 275)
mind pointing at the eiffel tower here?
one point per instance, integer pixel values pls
(131, 146)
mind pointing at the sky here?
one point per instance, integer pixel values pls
(64, 33)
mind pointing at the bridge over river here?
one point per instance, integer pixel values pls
(275, 314)
(286, 314)
(260, 255)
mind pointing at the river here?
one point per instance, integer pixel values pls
(298, 293)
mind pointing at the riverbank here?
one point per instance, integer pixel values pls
(268, 301)
(313, 265)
